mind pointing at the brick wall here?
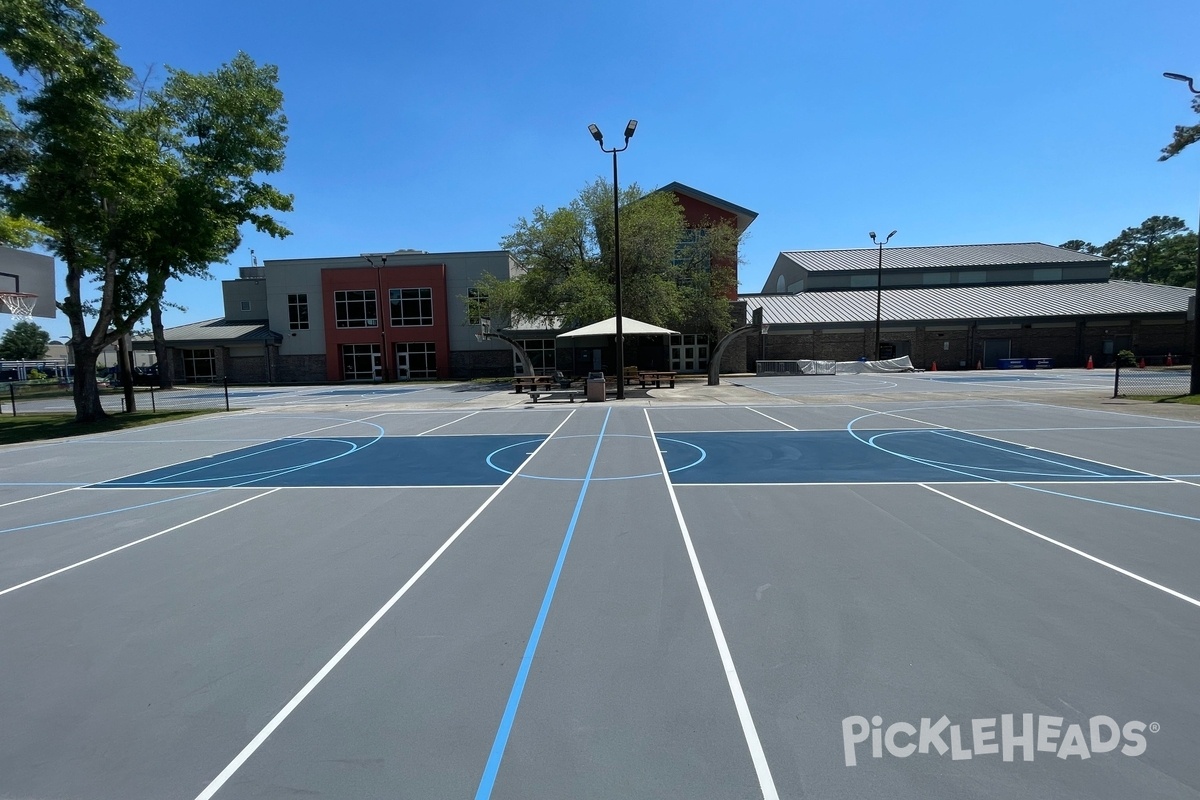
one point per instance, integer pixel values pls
(964, 348)
(467, 364)
(300, 369)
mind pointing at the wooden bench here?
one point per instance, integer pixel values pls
(658, 376)
(538, 394)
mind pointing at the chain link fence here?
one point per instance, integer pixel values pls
(50, 397)
(1152, 381)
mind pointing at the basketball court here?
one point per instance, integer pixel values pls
(457, 596)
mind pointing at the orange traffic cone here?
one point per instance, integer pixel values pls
(1142, 363)
(1170, 363)
(1090, 365)
(934, 367)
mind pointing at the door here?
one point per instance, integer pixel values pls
(689, 352)
(401, 364)
(994, 350)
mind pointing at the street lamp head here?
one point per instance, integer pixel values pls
(872, 236)
(1175, 76)
(596, 134)
(629, 129)
(890, 235)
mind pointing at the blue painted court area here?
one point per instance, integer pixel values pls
(351, 461)
(901, 456)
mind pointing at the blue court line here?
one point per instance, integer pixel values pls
(105, 513)
(514, 698)
(1020, 453)
(987, 479)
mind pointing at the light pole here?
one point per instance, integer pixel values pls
(1195, 382)
(879, 287)
(599, 137)
(379, 310)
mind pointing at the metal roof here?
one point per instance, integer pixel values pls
(218, 330)
(744, 215)
(939, 257)
(1049, 300)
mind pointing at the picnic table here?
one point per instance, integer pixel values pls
(645, 376)
(531, 382)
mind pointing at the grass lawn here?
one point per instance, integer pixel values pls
(36, 427)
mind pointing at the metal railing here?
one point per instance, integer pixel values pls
(50, 397)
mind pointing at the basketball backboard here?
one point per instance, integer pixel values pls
(31, 273)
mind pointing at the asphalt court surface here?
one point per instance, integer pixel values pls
(606, 600)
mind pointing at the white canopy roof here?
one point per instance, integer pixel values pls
(608, 327)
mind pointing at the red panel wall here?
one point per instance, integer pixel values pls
(699, 214)
(381, 280)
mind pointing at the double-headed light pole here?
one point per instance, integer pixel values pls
(879, 287)
(599, 137)
(1195, 382)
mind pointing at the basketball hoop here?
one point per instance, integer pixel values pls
(19, 304)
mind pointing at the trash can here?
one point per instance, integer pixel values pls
(595, 387)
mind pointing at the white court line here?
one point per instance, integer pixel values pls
(768, 416)
(37, 496)
(451, 422)
(1084, 428)
(980, 482)
(291, 705)
(1014, 445)
(1070, 549)
(757, 754)
(131, 544)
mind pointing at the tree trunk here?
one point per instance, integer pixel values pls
(87, 393)
(165, 378)
(125, 368)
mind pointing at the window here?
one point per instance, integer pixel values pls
(411, 306)
(360, 362)
(245, 305)
(541, 353)
(416, 360)
(864, 281)
(355, 308)
(1048, 274)
(477, 305)
(298, 312)
(199, 365)
(692, 251)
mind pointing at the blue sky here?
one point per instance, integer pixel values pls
(436, 125)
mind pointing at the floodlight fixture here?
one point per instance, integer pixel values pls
(1175, 76)
(629, 130)
(879, 287)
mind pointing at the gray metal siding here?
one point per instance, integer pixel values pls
(973, 303)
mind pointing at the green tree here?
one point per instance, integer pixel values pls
(671, 275)
(131, 194)
(1184, 134)
(24, 341)
(1150, 252)
(1080, 246)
